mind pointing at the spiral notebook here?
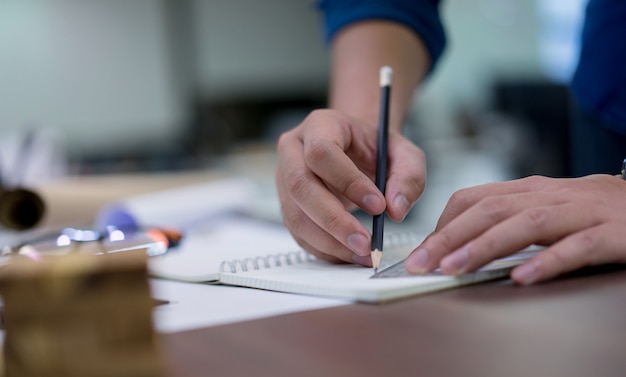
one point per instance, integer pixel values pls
(264, 256)
(228, 237)
(306, 275)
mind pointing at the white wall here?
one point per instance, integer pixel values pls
(258, 48)
(105, 72)
(487, 39)
(114, 74)
(98, 71)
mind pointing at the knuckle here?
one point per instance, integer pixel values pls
(317, 117)
(318, 154)
(418, 184)
(537, 218)
(494, 207)
(555, 258)
(331, 221)
(571, 192)
(587, 242)
(443, 240)
(317, 151)
(294, 221)
(349, 184)
(299, 186)
(535, 181)
(284, 140)
(318, 113)
(419, 152)
(488, 245)
(597, 208)
(459, 198)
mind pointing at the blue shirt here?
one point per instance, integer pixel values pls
(599, 85)
(421, 16)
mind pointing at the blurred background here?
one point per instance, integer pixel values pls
(91, 87)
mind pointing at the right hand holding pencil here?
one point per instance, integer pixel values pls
(326, 168)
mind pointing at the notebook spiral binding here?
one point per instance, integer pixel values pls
(301, 256)
(266, 261)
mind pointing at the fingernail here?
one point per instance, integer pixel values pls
(456, 262)
(359, 244)
(401, 203)
(373, 203)
(416, 262)
(362, 260)
(524, 274)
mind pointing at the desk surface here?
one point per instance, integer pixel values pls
(574, 326)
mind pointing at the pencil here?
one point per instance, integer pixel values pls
(381, 164)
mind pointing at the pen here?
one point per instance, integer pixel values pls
(381, 164)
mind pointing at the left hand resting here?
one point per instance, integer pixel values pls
(582, 221)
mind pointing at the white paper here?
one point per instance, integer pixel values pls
(194, 306)
(226, 238)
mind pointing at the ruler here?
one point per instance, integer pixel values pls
(397, 269)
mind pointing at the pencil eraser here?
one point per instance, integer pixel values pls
(385, 75)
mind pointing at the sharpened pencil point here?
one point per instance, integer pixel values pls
(377, 256)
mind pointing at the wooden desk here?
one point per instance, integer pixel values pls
(570, 327)
(575, 326)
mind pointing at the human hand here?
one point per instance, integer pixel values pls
(580, 220)
(326, 167)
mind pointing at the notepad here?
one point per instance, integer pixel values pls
(248, 253)
(206, 247)
(348, 281)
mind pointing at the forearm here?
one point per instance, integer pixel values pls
(358, 52)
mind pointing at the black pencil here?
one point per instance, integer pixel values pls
(381, 163)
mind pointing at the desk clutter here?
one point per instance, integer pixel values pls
(79, 315)
(70, 312)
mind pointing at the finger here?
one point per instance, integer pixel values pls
(407, 177)
(471, 224)
(325, 155)
(329, 257)
(312, 197)
(316, 241)
(468, 197)
(598, 245)
(516, 233)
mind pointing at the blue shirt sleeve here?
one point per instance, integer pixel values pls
(421, 16)
(599, 84)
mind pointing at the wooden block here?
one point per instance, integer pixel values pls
(79, 315)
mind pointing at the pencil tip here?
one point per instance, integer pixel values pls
(377, 256)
